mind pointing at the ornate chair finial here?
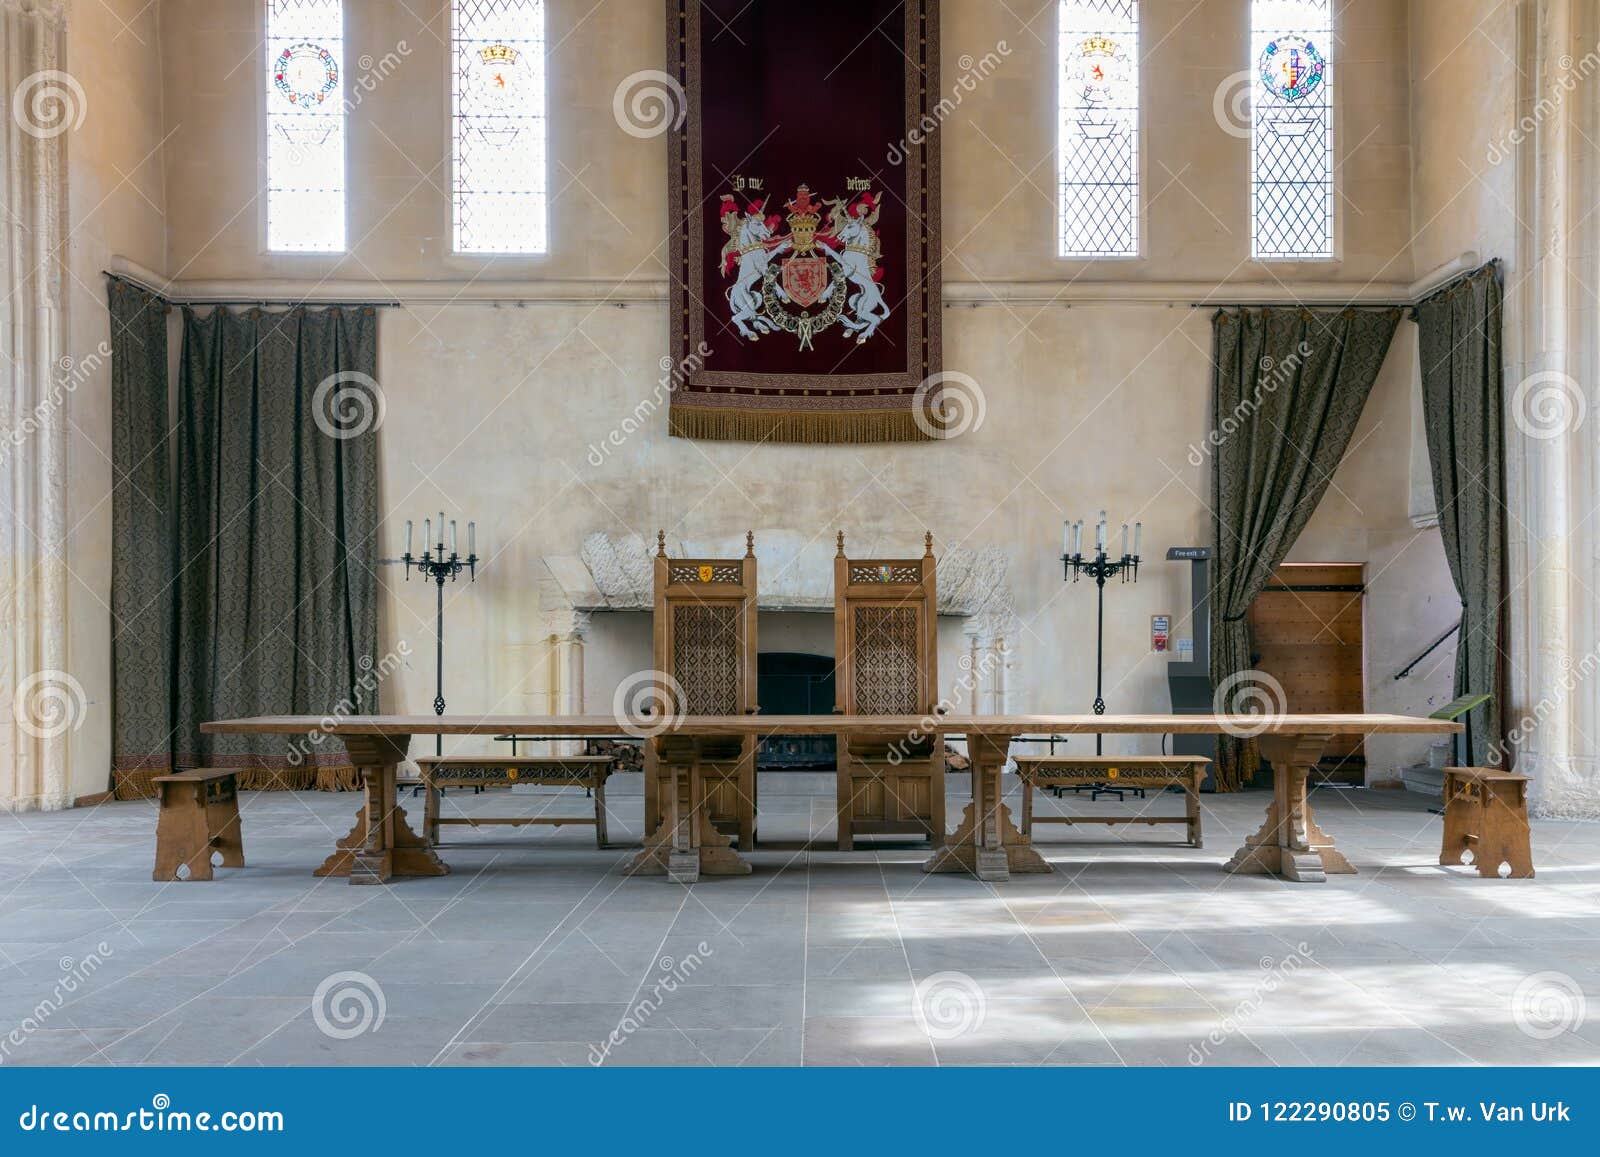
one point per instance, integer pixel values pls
(928, 544)
(661, 543)
(841, 544)
(749, 544)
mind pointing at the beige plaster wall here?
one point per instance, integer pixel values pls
(115, 206)
(492, 409)
(608, 216)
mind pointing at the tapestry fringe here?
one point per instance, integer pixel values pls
(798, 426)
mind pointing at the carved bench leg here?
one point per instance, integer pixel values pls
(686, 845)
(182, 837)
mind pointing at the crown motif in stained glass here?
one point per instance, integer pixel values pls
(305, 74)
(1291, 68)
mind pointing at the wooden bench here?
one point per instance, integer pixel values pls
(1114, 771)
(1486, 813)
(197, 816)
(587, 771)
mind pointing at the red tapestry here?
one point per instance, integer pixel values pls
(805, 201)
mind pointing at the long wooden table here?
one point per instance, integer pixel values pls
(985, 843)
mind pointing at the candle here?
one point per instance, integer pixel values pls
(1077, 537)
(1124, 540)
(441, 532)
(408, 538)
(1138, 532)
(1066, 537)
(472, 539)
(1100, 534)
(453, 535)
(427, 536)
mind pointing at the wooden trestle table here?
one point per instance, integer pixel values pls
(985, 843)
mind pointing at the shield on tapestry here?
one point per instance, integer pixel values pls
(805, 279)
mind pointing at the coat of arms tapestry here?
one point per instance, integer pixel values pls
(804, 254)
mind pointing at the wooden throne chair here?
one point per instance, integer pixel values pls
(886, 663)
(705, 639)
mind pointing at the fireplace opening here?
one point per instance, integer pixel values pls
(792, 683)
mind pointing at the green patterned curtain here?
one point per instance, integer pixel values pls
(141, 538)
(277, 520)
(1459, 338)
(1289, 385)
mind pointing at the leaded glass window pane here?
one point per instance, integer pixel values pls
(1098, 81)
(1291, 162)
(499, 126)
(305, 125)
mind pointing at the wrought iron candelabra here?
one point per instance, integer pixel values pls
(1099, 566)
(436, 565)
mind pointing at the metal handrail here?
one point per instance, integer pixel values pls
(1411, 666)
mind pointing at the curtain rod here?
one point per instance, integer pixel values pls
(288, 303)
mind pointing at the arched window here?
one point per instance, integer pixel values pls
(1291, 154)
(498, 126)
(305, 126)
(1098, 98)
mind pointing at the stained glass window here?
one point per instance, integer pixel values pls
(305, 125)
(1291, 161)
(1099, 130)
(499, 126)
